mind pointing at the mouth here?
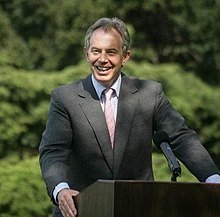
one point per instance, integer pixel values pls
(103, 69)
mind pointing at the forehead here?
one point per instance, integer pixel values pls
(102, 37)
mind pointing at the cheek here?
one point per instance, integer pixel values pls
(92, 59)
(116, 61)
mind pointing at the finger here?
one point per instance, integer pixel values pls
(66, 202)
(75, 193)
(72, 206)
(67, 207)
(66, 210)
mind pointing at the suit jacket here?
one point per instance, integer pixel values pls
(76, 147)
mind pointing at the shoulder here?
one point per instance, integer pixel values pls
(72, 88)
(142, 84)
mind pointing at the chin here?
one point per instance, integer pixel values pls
(104, 82)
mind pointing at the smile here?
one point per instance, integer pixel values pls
(103, 69)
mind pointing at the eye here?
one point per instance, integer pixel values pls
(112, 52)
(95, 51)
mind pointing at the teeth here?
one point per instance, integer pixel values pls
(102, 68)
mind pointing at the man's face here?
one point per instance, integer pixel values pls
(105, 56)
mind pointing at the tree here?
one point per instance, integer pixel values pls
(49, 34)
(53, 30)
(176, 31)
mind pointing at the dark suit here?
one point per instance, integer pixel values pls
(76, 148)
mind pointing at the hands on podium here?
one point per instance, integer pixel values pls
(66, 202)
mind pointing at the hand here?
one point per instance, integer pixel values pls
(66, 202)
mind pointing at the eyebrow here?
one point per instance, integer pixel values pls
(108, 49)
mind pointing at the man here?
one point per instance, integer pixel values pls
(79, 147)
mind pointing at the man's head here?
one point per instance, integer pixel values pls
(107, 49)
(107, 24)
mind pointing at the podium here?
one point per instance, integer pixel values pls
(149, 199)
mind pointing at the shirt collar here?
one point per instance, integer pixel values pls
(99, 87)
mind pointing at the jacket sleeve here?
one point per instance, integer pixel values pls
(184, 141)
(55, 145)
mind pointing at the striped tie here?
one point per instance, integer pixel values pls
(109, 114)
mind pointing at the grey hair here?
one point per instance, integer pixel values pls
(107, 24)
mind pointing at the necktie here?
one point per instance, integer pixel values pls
(109, 114)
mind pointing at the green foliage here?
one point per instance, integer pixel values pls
(23, 192)
(195, 22)
(25, 100)
(13, 49)
(24, 104)
(178, 31)
(52, 31)
(49, 35)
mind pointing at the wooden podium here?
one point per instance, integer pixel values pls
(149, 199)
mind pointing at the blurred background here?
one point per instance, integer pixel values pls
(176, 42)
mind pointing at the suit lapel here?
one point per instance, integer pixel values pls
(95, 116)
(127, 104)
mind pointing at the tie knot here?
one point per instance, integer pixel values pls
(108, 93)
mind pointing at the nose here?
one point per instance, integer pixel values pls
(102, 57)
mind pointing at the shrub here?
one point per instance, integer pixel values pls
(23, 193)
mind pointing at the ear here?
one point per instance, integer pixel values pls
(86, 53)
(126, 57)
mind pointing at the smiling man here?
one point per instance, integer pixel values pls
(101, 127)
(105, 55)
